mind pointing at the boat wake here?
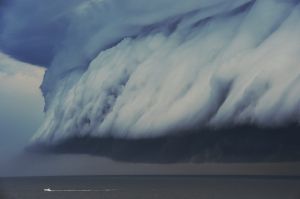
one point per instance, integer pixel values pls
(78, 190)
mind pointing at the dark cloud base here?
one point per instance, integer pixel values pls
(243, 144)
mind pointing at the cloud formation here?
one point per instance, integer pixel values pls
(147, 69)
(214, 67)
(31, 30)
(244, 144)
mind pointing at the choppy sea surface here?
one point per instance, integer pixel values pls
(144, 187)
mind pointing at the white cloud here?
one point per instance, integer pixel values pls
(232, 68)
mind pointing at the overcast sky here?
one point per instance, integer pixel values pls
(21, 106)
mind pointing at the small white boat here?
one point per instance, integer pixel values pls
(48, 189)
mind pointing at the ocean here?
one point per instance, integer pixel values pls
(150, 187)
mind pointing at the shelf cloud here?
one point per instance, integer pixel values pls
(146, 70)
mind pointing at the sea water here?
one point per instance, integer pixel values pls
(150, 187)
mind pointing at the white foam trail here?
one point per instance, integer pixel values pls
(79, 190)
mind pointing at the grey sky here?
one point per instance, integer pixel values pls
(21, 106)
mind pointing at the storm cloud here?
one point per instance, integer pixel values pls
(137, 70)
(243, 144)
(31, 30)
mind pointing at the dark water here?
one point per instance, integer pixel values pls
(144, 187)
